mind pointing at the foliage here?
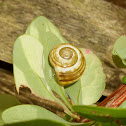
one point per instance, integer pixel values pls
(119, 52)
(7, 101)
(124, 79)
(32, 69)
(49, 36)
(102, 114)
(25, 113)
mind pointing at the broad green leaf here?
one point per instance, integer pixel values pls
(28, 68)
(41, 26)
(49, 36)
(107, 124)
(91, 84)
(42, 29)
(37, 123)
(119, 52)
(28, 65)
(43, 122)
(26, 114)
(7, 101)
(102, 114)
(93, 79)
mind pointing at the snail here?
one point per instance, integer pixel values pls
(68, 62)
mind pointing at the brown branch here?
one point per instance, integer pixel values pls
(27, 98)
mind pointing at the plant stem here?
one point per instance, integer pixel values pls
(116, 98)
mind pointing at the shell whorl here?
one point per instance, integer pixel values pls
(68, 62)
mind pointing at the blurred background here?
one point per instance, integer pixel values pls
(93, 24)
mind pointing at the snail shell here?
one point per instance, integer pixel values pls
(68, 62)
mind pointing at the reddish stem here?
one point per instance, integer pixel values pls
(116, 98)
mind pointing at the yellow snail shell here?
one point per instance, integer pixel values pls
(68, 62)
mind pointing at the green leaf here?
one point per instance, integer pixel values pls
(7, 101)
(28, 65)
(41, 26)
(37, 123)
(119, 52)
(93, 79)
(107, 124)
(102, 114)
(124, 79)
(91, 84)
(45, 123)
(49, 36)
(28, 114)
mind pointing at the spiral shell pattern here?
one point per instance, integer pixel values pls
(68, 62)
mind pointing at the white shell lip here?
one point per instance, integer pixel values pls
(65, 74)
